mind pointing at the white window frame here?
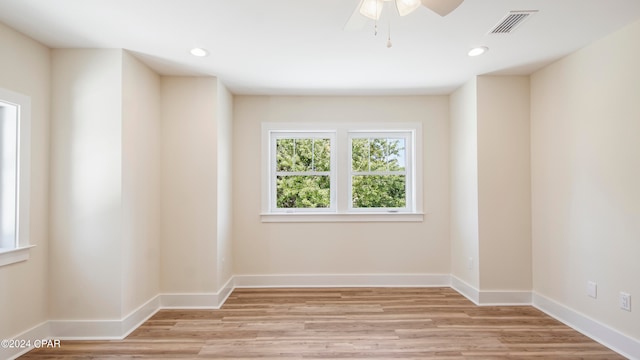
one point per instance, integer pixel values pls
(408, 136)
(341, 166)
(18, 250)
(274, 135)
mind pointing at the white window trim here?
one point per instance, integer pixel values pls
(21, 251)
(342, 213)
(12, 256)
(341, 217)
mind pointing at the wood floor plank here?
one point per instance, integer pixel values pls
(349, 323)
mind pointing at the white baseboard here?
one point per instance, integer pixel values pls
(119, 329)
(225, 291)
(197, 300)
(86, 329)
(189, 301)
(490, 298)
(465, 290)
(104, 329)
(505, 298)
(37, 332)
(140, 315)
(611, 338)
(343, 280)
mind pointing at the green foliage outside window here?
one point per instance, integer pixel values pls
(303, 159)
(379, 165)
(295, 192)
(298, 155)
(377, 191)
(303, 166)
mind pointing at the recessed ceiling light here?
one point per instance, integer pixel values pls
(199, 52)
(478, 50)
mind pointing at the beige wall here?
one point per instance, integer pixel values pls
(86, 219)
(25, 68)
(224, 119)
(340, 248)
(585, 176)
(490, 184)
(464, 184)
(105, 185)
(189, 226)
(504, 183)
(140, 183)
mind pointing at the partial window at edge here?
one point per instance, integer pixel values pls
(14, 176)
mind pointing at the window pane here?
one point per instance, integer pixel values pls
(284, 154)
(360, 154)
(311, 191)
(303, 155)
(396, 159)
(8, 174)
(378, 154)
(378, 191)
(322, 155)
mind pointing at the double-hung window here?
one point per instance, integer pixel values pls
(14, 177)
(341, 172)
(302, 172)
(380, 177)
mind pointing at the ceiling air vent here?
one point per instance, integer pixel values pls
(511, 21)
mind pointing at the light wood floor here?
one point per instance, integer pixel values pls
(355, 323)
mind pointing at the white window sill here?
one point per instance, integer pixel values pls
(345, 217)
(12, 256)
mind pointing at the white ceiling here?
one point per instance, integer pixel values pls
(300, 46)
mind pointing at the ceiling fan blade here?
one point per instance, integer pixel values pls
(442, 7)
(356, 21)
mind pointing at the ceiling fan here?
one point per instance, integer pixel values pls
(372, 9)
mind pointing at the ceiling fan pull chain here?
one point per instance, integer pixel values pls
(389, 44)
(375, 23)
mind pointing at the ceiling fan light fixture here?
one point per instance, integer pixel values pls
(199, 52)
(477, 51)
(406, 7)
(371, 8)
